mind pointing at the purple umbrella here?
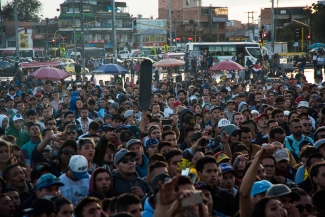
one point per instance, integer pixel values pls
(49, 73)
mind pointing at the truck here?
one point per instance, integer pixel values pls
(279, 47)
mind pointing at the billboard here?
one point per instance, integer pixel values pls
(23, 41)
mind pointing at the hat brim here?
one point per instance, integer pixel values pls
(33, 211)
(294, 195)
(53, 183)
(126, 153)
(281, 158)
(81, 175)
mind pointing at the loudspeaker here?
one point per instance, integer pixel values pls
(145, 84)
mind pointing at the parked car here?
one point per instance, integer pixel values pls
(124, 54)
(70, 68)
(6, 69)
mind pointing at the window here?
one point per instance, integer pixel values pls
(145, 38)
(187, 2)
(215, 50)
(283, 11)
(229, 50)
(11, 43)
(221, 26)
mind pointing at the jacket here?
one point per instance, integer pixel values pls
(3, 117)
(92, 187)
(21, 135)
(122, 185)
(142, 170)
(73, 99)
(148, 210)
(224, 202)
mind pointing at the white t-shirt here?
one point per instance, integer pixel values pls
(74, 191)
(168, 111)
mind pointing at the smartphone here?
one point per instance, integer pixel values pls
(196, 198)
(165, 122)
(73, 128)
(203, 142)
(79, 89)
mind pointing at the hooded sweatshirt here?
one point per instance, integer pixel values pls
(148, 210)
(122, 185)
(92, 187)
(142, 170)
(241, 105)
(21, 135)
(73, 99)
(3, 117)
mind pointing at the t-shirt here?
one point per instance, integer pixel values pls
(168, 111)
(74, 191)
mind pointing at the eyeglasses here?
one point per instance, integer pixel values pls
(309, 208)
(159, 116)
(307, 125)
(127, 159)
(67, 152)
(269, 166)
(52, 124)
(71, 133)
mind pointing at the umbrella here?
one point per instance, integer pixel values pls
(169, 63)
(226, 65)
(111, 69)
(316, 45)
(49, 73)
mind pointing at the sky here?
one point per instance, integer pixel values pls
(236, 8)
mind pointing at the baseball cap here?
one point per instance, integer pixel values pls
(79, 166)
(38, 94)
(117, 116)
(121, 154)
(128, 113)
(223, 122)
(202, 185)
(133, 141)
(193, 97)
(280, 155)
(161, 177)
(38, 168)
(262, 115)
(319, 143)
(129, 103)
(286, 113)
(111, 101)
(230, 101)
(280, 190)
(215, 107)
(221, 156)
(41, 206)
(225, 168)
(230, 129)
(190, 120)
(120, 127)
(68, 113)
(17, 117)
(260, 187)
(115, 105)
(126, 135)
(254, 112)
(177, 103)
(303, 104)
(305, 88)
(151, 142)
(105, 127)
(47, 180)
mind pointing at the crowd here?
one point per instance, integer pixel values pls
(249, 147)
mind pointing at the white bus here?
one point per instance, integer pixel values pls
(225, 50)
(23, 52)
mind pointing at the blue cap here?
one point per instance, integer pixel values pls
(319, 143)
(120, 127)
(227, 168)
(151, 142)
(47, 180)
(104, 127)
(260, 187)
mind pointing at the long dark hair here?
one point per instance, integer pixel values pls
(259, 209)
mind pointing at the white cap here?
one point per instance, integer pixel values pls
(254, 112)
(303, 104)
(79, 166)
(111, 101)
(223, 122)
(69, 87)
(193, 97)
(128, 113)
(17, 117)
(286, 113)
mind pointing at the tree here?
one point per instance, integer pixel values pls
(28, 10)
(318, 21)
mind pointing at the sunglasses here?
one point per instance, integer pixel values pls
(71, 133)
(127, 159)
(67, 152)
(309, 208)
(307, 125)
(269, 166)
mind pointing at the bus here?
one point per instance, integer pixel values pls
(155, 50)
(23, 52)
(225, 50)
(89, 51)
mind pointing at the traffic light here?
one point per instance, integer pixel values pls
(25, 30)
(313, 36)
(261, 34)
(97, 18)
(264, 35)
(134, 21)
(53, 40)
(298, 34)
(307, 38)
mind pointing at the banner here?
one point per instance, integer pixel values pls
(23, 41)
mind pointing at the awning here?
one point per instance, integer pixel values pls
(38, 64)
(77, 15)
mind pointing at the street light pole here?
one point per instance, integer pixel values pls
(82, 39)
(47, 37)
(16, 28)
(114, 31)
(272, 29)
(170, 24)
(74, 33)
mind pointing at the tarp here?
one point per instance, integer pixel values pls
(38, 64)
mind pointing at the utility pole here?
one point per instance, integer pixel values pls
(170, 23)
(1, 31)
(16, 28)
(74, 33)
(82, 39)
(114, 32)
(47, 36)
(250, 15)
(276, 19)
(272, 29)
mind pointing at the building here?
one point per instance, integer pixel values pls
(24, 34)
(282, 16)
(97, 24)
(46, 30)
(193, 22)
(150, 32)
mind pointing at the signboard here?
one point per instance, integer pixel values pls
(152, 31)
(38, 36)
(23, 41)
(219, 20)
